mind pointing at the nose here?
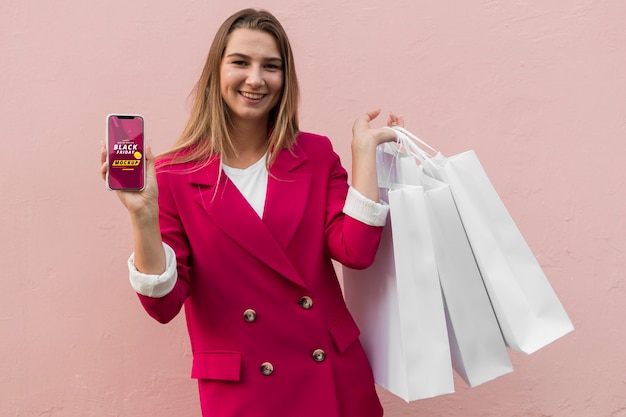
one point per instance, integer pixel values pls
(255, 76)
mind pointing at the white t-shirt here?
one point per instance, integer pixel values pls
(251, 182)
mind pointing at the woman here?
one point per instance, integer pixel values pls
(241, 229)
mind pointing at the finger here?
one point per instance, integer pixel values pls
(103, 152)
(385, 135)
(149, 154)
(371, 115)
(362, 123)
(103, 158)
(103, 171)
(149, 159)
(395, 120)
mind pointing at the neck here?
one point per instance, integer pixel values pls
(250, 144)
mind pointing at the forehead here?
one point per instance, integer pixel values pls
(252, 42)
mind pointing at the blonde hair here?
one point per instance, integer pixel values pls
(206, 134)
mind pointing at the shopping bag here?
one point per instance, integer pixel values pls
(478, 350)
(529, 312)
(398, 305)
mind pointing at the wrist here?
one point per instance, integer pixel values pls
(364, 144)
(145, 216)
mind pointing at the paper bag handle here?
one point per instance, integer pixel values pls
(410, 142)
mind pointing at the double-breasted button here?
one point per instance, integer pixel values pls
(319, 355)
(267, 368)
(249, 315)
(306, 302)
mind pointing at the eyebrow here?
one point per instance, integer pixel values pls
(244, 56)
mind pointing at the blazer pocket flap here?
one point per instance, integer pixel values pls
(344, 331)
(219, 365)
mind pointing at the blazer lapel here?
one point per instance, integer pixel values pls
(229, 210)
(287, 193)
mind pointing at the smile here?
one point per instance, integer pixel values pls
(252, 96)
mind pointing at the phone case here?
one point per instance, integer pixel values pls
(125, 152)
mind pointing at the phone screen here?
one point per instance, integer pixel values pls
(125, 148)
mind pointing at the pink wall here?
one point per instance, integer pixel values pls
(537, 87)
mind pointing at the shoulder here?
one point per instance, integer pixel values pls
(170, 170)
(314, 150)
(177, 163)
(313, 143)
(311, 138)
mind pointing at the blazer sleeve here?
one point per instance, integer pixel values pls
(165, 308)
(348, 240)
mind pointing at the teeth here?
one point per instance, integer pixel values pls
(252, 96)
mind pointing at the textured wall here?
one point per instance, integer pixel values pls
(536, 87)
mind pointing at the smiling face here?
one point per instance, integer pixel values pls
(251, 76)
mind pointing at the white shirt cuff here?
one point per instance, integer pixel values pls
(155, 286)
(365, 210)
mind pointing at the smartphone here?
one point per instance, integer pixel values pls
(125, 152)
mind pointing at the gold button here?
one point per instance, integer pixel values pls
(249, 315)
(319, 355)
(306, 302)
(267, 368)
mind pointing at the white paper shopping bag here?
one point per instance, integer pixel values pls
(529, 313)
(478, 350)
(398, 305)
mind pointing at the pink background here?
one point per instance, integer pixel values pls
(536, 87)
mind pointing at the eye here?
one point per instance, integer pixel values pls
(273, 67)
(239, 63)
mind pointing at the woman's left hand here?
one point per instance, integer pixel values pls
(365, 139)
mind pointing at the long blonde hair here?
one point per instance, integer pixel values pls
(206, 134)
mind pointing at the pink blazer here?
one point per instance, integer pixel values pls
(269, 329)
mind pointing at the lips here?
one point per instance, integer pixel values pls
(252, 96)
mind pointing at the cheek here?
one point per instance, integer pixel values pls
(278, 81)
(227, 79)
(223, 81)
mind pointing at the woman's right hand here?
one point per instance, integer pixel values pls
(143, 206)
(138, 203)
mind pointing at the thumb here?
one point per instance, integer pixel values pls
(371, 115)
(363, 121)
